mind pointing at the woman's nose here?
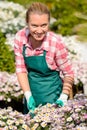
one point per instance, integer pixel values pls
(39, 29)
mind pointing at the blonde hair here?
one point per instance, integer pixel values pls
(38, 8)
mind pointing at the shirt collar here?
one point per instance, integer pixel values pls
(27, 32)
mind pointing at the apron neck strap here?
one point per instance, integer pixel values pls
(44, 53)
(24, 50)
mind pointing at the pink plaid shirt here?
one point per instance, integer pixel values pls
(56, 52)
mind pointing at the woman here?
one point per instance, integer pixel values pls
(40, 57)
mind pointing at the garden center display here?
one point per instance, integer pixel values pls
(73, 116)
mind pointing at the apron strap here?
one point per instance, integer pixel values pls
(23, 52)
(44, 52)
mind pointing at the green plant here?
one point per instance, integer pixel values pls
(6, 56)
(65, 14)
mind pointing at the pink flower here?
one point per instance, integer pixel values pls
(85, 116)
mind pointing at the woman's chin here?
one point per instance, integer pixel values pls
(39, 38)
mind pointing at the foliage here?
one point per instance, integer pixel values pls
(6, 56)
(10, 17)
(64, 11)
(27, 2)
(81, 30)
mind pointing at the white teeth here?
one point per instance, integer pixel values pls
(38, 35)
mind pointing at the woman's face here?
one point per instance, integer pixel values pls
(38, 26)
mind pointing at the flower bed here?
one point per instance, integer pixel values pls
(73, 116)
(9, 87)
(11, 93)
(13, 120)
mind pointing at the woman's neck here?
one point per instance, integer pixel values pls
(35, 44)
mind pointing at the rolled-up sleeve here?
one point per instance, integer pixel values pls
(19, 60)
(64, 63)
(63, 60)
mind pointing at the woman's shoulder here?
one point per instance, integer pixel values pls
(21, 32)
(21, 37)
(57, 38)
(54, 36)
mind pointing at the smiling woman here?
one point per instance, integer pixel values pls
(38, 20)
(40, 56)
(38, 26)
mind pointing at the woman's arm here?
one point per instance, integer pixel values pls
(23, 81)
(63, 62)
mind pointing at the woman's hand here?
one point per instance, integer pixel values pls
(30, 100)
(62, 100)
(31, 103)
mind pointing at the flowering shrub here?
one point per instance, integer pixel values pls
(77, 53)
(13, 120)
(73, 116)
(11, 17)
(9, 87)
(69, 117)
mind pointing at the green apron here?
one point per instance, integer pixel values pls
(45, 84)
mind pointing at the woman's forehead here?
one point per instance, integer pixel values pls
(37, 17)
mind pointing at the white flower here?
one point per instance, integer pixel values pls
(10, 122)
(43, 124)
(69, 119)
(25, 127)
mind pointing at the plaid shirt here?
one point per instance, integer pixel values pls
(56, 56)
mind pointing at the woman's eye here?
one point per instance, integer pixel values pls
(34, 26)
(44, 25)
